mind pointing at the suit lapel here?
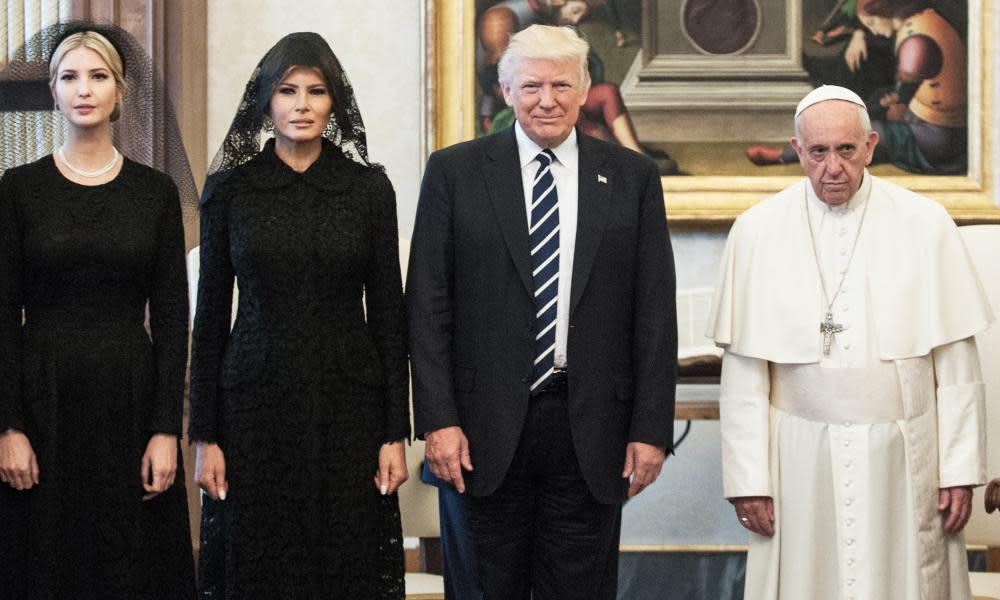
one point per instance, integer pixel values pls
(592, 212)
(503, 180)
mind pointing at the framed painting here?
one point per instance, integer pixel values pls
(708, 88)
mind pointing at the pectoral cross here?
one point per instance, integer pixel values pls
(828, 328)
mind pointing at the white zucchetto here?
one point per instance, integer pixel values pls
(827, 92)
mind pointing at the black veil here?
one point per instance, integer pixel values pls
(147, 131)
(345, 128)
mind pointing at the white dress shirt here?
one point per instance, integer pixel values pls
(565, 172)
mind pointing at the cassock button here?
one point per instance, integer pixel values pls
(847, 483)
(850, 523)
(847, 464)
(849, 541)
(843, 251)
(847, 443)
(848, 501)
(847, 424)
(850, 581)
(850, 562)
(847, 346)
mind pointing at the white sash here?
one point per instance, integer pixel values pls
(862, 395)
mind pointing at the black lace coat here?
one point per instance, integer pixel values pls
(89, 387)
(305, 389)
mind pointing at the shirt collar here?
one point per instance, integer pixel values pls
(567, 153)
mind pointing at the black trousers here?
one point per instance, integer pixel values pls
(542, 535)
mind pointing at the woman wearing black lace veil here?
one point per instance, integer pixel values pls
(301, 411)
(92, 503)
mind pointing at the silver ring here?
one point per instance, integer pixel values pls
(744, 520)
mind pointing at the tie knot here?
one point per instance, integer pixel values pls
(546, 157)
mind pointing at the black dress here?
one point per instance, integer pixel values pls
(88, 386)
(304, 391)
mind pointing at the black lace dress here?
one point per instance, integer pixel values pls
(88, 386)
(304, 391)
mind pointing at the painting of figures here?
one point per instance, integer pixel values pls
(708, 88)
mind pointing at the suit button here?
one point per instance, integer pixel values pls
(525, 379)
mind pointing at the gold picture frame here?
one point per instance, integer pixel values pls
(712, 202)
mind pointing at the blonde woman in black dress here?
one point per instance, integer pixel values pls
(92, 503)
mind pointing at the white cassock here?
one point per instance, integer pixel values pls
(853, 446)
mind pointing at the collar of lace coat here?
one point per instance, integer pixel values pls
(332, 172)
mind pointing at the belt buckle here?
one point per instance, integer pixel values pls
(558, 381)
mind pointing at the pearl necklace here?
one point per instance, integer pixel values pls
(103, 170)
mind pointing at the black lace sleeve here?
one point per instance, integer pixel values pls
(212, 318)
(11, 303)
(168, 316)
(385, 309)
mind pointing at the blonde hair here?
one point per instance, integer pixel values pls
(104, 48)
(544, 42)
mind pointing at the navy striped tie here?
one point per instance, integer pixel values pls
(544, 237)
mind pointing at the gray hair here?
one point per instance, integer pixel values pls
(544, 42)
(863, 118)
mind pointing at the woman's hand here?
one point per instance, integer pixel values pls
(857, 51)
(210, 470)
(391, 467)
(18, 466)
(159, 465)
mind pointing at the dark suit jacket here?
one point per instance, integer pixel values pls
(472, 316)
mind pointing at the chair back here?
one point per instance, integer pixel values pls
(983, 244)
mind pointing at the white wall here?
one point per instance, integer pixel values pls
(378, 43)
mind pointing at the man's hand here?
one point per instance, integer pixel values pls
(391, 467)
(642, 463)
(210, 470)
(159, 465)
(992, 496)
(447, 453)
(955, 505)
(756, 513)
(18, 466)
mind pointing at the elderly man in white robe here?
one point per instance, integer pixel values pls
(852, 397)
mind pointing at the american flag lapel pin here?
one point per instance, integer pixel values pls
(601, 179)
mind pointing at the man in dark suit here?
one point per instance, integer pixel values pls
(543, 330)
